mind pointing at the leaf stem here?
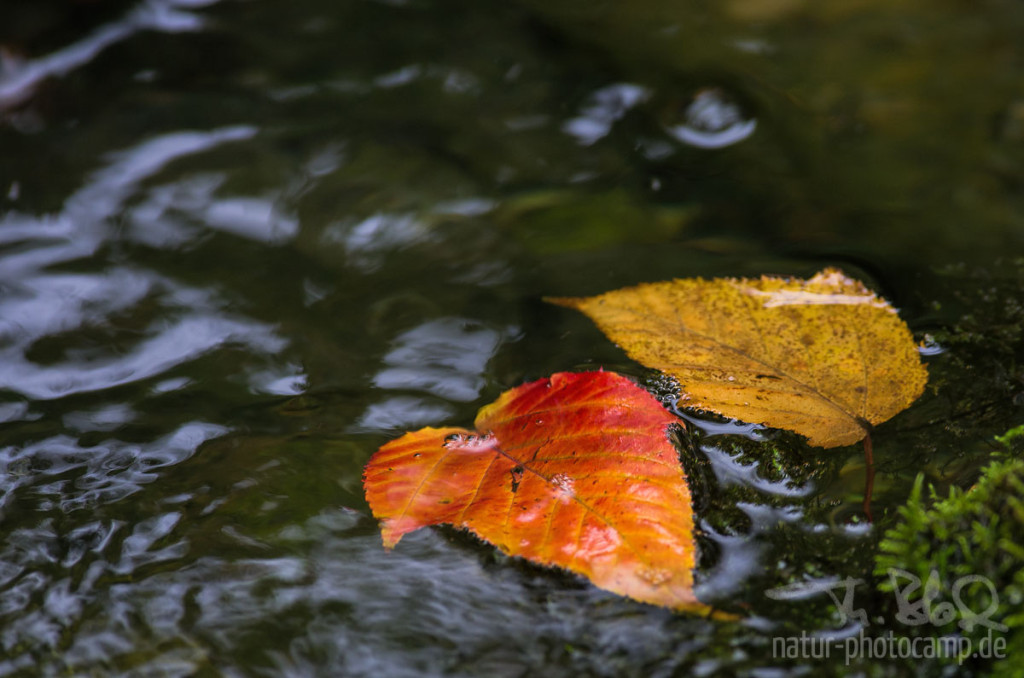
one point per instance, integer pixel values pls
(869, 476)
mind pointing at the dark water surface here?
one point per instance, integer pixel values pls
(244, 243)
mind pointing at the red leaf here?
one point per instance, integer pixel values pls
(574, 471)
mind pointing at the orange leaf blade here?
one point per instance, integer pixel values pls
(416, 481)
(574, 471)
(823, 357)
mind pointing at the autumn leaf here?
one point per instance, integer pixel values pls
(574, 471)
(823, 357)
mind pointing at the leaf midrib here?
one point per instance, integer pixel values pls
(575, 497)
(814, 392)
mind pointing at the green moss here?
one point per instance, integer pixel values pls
(947, 544)
(1013, 440)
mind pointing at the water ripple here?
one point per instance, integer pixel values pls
(61, 472)
(40, 305)
(444, 358)
(83, 225)
(64, 304)
(19, 80)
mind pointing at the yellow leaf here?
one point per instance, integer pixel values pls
(824, 357)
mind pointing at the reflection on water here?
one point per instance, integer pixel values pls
(198, 328)
(19, 78)
(39, 306)
(445, 358)
(62, 473)
(728, 471)
(364, 241)
(244, 244)
(711, 120)
(85, 222)
(603, 108)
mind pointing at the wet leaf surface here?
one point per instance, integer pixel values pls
(824, 357)
(574, 471)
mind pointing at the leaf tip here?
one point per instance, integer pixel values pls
(393, 529)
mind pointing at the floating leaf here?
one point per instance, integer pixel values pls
(575, 471)
(823, 357)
